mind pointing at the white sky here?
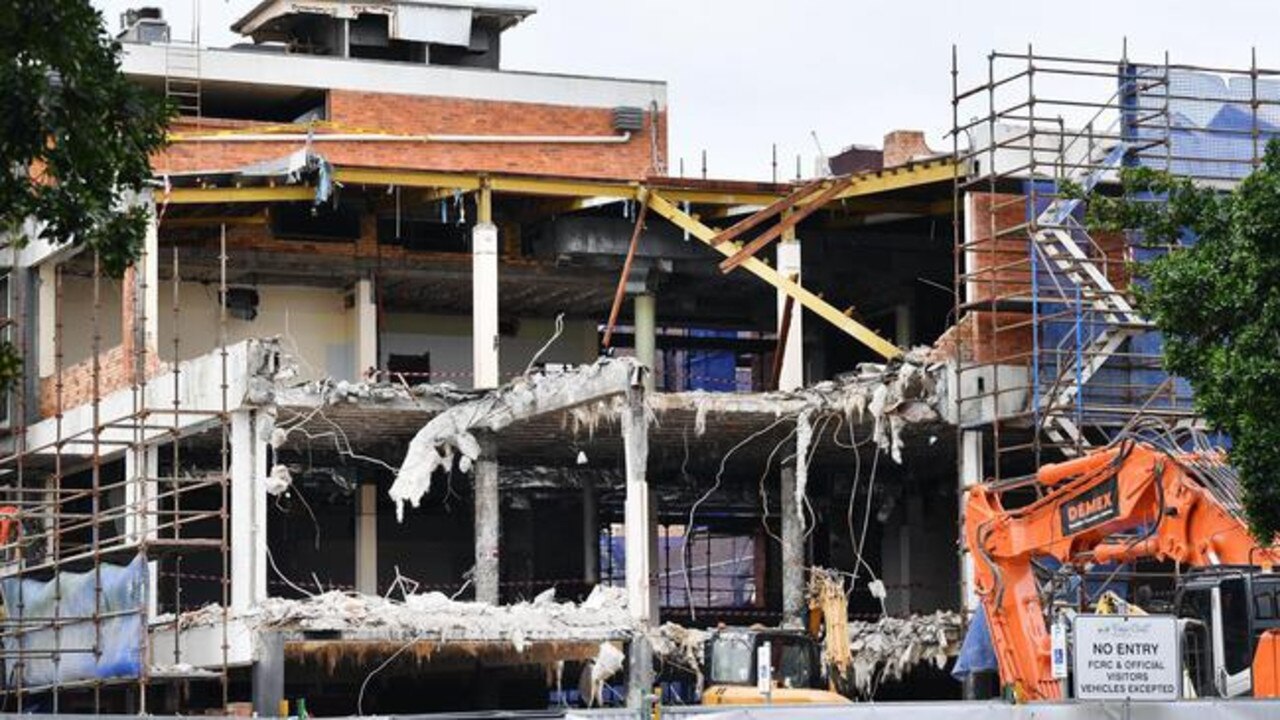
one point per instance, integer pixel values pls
(744, 74)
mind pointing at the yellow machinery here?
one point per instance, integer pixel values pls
(732, 658)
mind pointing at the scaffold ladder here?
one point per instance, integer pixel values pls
(1066, 244)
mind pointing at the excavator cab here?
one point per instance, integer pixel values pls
(1231, 623)
(795, 658)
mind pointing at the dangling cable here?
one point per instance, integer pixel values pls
(556, 336)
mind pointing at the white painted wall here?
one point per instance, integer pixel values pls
(448, 339)
(313, 71)
(77, 317)
(314, 325)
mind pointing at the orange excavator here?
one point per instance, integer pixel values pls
(1131, 501)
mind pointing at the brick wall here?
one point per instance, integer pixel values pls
(900, 146)
(409, 114)
(115, 372)
(116, 366)
(999, 264)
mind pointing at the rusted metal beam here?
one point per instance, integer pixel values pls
(767, 212)
(780, 352)
(787, 223)
(621, 290)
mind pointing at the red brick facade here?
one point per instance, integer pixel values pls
(365, 112)
(116, 366)
(998, 262)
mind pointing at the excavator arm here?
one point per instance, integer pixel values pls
(1130, 488)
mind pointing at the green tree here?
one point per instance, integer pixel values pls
(1217, 302)
(77, 136)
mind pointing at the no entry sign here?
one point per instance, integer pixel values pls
(1127, 657)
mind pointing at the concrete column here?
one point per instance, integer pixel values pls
(646, 312)
(364, 331)
(901, 550)
(484, 295)
(792, 375)
(793, 583)
(140, 302)
(268, 674)
(488, 522)
(150, 279)
(149, 282)
(902, 328)
(46, 317)
(975, 685)
(590, 532)
(638, 514)
(639, 671)
(639, 543)
(795, 480)
(248, 513)
(367, 539)
(141, 472)
(971, 473)
(484, 305)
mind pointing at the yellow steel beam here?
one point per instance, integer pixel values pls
(427, 195)
(874, 206)
(886, 180)
(552, 186)
(283, 193)
(447, 183)
(817, 305)
(484, 204)
(728, 211)
(212, 220)
(562, 187)
(407, 178)
(720, 197)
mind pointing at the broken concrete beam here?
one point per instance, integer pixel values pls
(588, 392)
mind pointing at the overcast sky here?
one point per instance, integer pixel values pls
(744, 74)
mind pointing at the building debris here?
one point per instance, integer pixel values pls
(681, 646)
(596, 672)
(892, 396)
(886, 649)
(906, 391)
(587, 393)
(435, 616)
(889, 648)
(827, 594)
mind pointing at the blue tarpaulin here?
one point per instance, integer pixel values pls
(976, 653)
(117, 635)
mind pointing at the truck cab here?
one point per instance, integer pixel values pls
(1226, 612)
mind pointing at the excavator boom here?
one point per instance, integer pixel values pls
(1157, 499)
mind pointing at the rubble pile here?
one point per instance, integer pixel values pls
(892, 396)
(603, 615)
(680, 646)
(890, 647)
(882, 650)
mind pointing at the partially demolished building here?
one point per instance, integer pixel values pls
(431, 366)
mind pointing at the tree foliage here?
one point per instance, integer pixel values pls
(77, 135)
(1216, 299)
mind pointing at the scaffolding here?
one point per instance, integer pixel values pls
(100, 501)
(1053, 354)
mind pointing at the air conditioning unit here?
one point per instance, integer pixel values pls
(628, 119)
(143, 25)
